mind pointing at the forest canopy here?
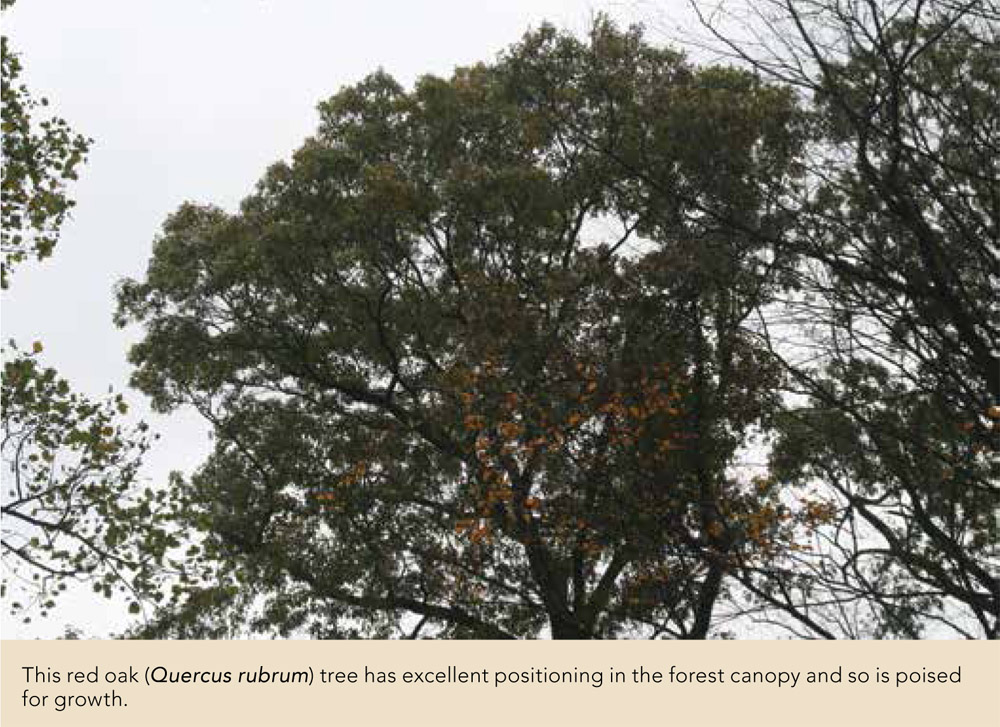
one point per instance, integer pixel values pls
(491, 357)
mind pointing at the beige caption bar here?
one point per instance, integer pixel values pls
(496, 683)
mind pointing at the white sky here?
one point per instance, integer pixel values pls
(192, 100)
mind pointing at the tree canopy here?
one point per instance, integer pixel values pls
(468, 377)
(490, 357)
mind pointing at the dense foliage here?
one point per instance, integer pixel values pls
(586, 342)
(467, 377)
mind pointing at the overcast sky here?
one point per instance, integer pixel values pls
(192, 100)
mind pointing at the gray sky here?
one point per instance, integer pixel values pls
(192, 100)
